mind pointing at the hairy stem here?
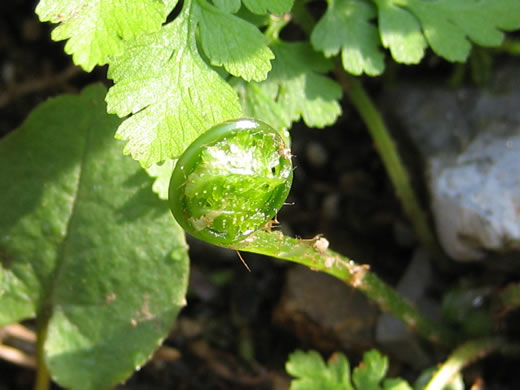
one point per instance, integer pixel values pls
(387, 149)
(314, 255)
(466, 354)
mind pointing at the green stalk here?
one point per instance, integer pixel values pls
(460, 358)
(388, 152)
(275, 25)
(42, 381)
(317, 257)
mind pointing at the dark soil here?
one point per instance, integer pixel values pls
(226, 337)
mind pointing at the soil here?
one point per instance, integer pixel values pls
(226, 337)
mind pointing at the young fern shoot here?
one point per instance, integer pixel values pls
(230, 183)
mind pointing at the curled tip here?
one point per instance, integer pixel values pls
(231, 181)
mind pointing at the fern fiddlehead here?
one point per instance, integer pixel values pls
(231, 181)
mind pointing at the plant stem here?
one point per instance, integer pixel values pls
(42, 374)
(276, 24)
(388, 152)
(460, 358)
(309, 253)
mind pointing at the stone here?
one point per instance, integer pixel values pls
(325, 312)
(469, 140)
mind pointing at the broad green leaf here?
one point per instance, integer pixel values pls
(369, 374)
(228, 5)
(406, 27)
(232, 42)
(396, 384)
(295, 88)
(96, 29)
(312, 373)
(451, 25)
(161, 173)
(258, 100)
(261, 7)
(173, 94)
(304, 91)
(346, 27)
(85, 244)
(169, 5)
(400, 32)
(254, 19)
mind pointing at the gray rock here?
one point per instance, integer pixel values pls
(470, 143)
